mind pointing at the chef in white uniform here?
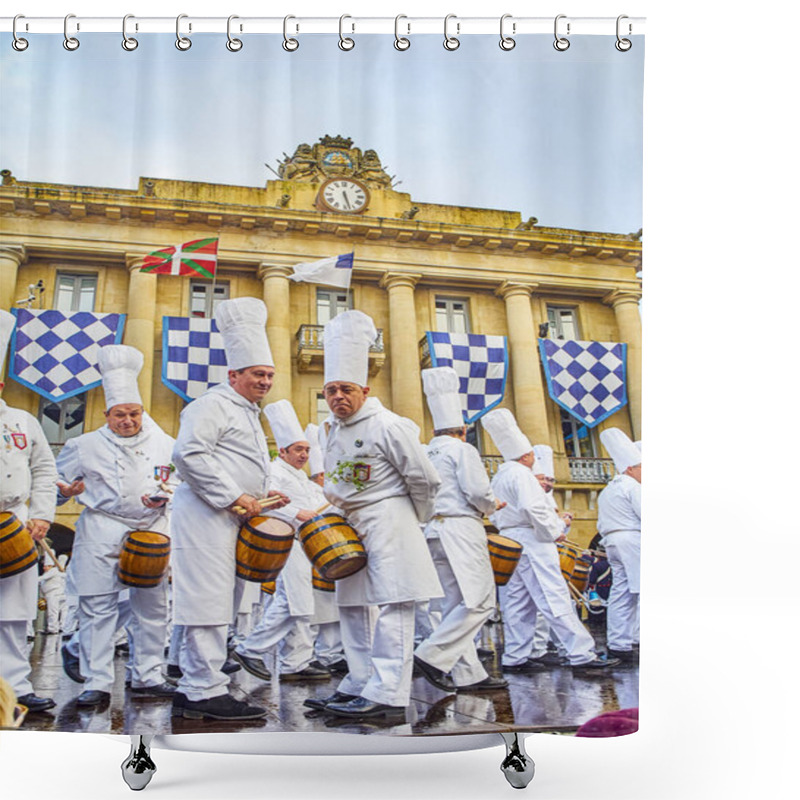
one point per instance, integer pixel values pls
(51, 588)
(377, 472)
(222, 456)
(116, 472)
(544, 472)
(328, 648)
(287, 622)
(619, 522)
(457, 542)
(537, 585)
(27, 490)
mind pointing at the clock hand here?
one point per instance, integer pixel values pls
(347, 202)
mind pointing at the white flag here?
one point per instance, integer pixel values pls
(333, 271)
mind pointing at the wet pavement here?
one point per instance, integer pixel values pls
(553, 700)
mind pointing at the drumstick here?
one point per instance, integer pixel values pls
(321, 509)
(264, 501)
(164, 488)
(52, 555)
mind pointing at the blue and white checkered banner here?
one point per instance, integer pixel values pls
(482, 366)
(587, 379)
(55, 353)
(193, 356)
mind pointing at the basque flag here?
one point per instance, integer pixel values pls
(333, 271)
(193, 258)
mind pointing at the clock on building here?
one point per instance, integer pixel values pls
(343, 196)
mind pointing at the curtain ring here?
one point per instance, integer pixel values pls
(70, 42)
(182, 42)
(345, 43)
(507, 42)
(290, 45)
(233, 44)
(451, 42)
(128, 42)
(19, 44)
(623, 45)
(400, 42)
(561, 43)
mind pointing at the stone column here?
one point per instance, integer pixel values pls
(526, 375)
(629, 322)
(11, 257)
(404, 350)
(277, 298)
(140, 324)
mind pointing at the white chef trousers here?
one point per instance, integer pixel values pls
(521, 599)
(204, 652)
(278, 627)
(15, 665)
(71, 614)
(98, 617)
(56, 611)
(379, 652)
(623, 549)
(328, 647)
(451, 645)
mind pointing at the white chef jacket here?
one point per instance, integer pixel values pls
(529, 518)
(117, 471)
(304, 494)
(221, 453)
(619, 506)
(377, 472)
(464, 497)
(28, 490)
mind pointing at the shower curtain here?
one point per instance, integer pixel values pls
(481, 204)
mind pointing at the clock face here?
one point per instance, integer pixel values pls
(344, 195)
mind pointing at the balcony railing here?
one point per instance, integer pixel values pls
(591, 470)
(310, 350)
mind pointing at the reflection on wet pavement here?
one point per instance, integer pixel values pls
(552, 700)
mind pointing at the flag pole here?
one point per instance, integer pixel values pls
(214, 277)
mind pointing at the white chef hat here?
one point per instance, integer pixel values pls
(242, 322)
(624, 452)
(543, 465)
(316, 458)
(441, 390)
(7, 322)
(120, 365)
(284, 423)
(510, 440)
(347, 339)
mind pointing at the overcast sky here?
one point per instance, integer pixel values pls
(552, 135)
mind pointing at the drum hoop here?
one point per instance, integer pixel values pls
(518, 549)
(148, 555)
(255, 570)
(12, 518)
(17, 571)
(336, 546)
(148, 544)
(252, 546)
(140, 576)
(254, 530)
(513, 558)
(16, 560)
(13, 533)
(325, 528)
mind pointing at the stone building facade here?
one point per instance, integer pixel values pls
(418, 267)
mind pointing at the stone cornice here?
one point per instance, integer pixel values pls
(509, 289)
(76, 204)
(271, 270)
(14, 252)
(621, 296)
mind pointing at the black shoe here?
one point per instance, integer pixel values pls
(230, 666)
(361, 708)
(221, 707)
(598, 664)
(526, 667)
(625, 656)
(488, 684)
(72, 666)
(434, 676)
(92, 697)
(484, 653)
(159, 690)
(308, 674)
(549, 659)
(174, 671)
(255, 666)
(320, 703)
(34, 703)
(122, 649)
(339, 667)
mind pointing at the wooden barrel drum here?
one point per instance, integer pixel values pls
(332, 546)
(319, 583)
(580, 573)
(568, 553)
(17, 549)
(262, 548)
(504, 554)
(144, 559)
(268, 587)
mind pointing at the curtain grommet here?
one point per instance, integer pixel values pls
(345, 42)
(451, 43)
(401, 42)
(129, 43)
(71, 43)
(183, 43)
(623, 45)
(18, 43)
(561, 43)
(233, 44)
(289, 44)
(507, 42)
